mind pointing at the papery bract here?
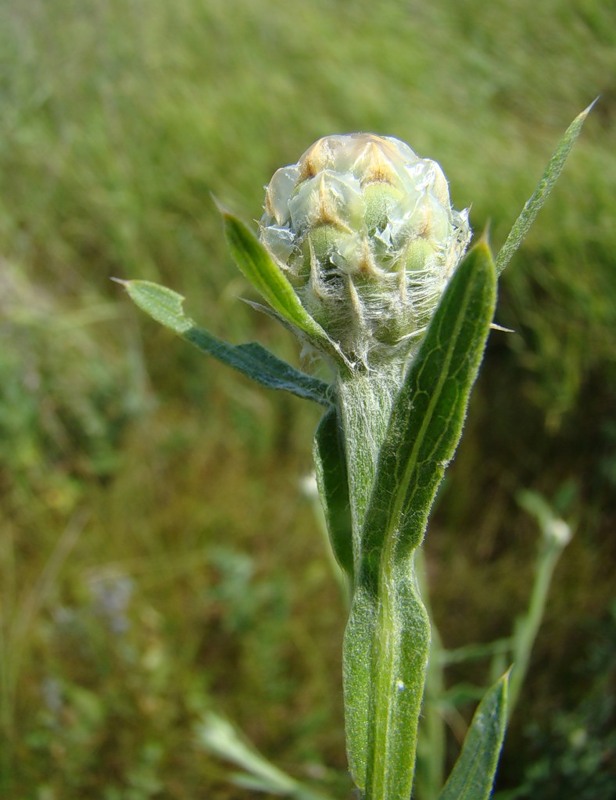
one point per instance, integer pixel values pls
(365, 232)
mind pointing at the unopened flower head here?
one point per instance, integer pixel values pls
(365, 232)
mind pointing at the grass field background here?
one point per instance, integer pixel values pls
(159, 557)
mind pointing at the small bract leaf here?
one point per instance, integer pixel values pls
(257, 265)
(473, 775)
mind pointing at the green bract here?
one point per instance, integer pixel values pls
(364, 230)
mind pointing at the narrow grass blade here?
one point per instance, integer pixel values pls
(556, 535)
(258, 266)
(540, 195)
(253, 360)
(473, 775)
(330, 461)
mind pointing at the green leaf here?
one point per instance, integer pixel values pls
(256, 264)
(332, 480)
(473, 775)
(428, 416)
(540, 195)
(387, 638)
(386, 647)
(254, 361)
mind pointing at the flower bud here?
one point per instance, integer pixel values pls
(364, 230)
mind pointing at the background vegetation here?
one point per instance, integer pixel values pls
(158, 554)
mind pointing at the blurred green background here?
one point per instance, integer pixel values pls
(159, 557)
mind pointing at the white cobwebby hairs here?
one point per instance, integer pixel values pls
(364, 230)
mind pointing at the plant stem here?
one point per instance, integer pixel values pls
(365, 401)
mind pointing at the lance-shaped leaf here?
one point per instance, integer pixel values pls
(428, 416)
(473, 774)
(253, 360)
(540, 195)
(256, 264)
(387, 639)
(332, 480)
